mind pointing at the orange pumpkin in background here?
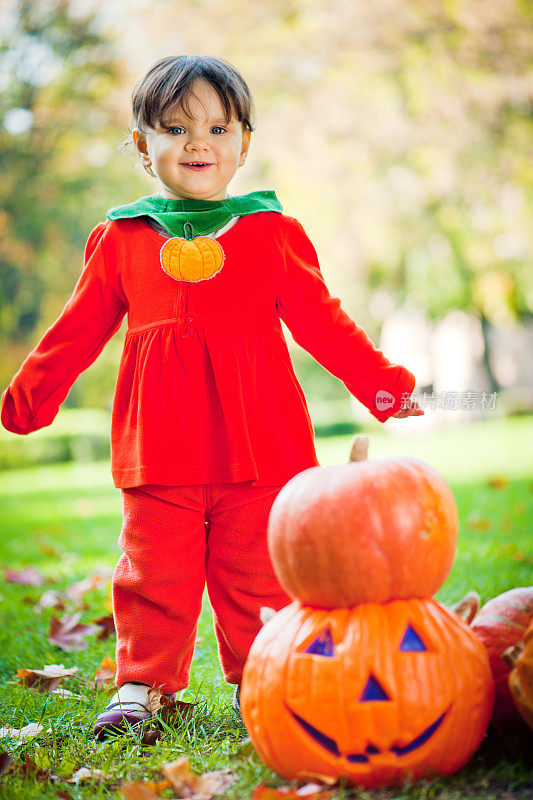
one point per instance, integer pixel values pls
(520, 658)
(192, 259)
(367, 531)
(364, 676)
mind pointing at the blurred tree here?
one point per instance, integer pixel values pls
(400, 133)
(58, 172)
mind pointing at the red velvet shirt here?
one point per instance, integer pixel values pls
(206, 390)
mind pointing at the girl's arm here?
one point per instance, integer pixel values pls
(319, 324)
(89, 319)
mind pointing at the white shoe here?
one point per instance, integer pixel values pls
(133, 698)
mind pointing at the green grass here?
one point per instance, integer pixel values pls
(65, 520)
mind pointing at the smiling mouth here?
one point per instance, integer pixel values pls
(363, 758)
(197, 165)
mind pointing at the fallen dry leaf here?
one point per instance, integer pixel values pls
(159, 786)
(158, 703)
(105, 674)
(76, 591)
(150, 736)
(67, 632)
(72, 595)
(137, 791)
(476, 522)
(196, 787)
(37, 773)
(27, 577)
(50, 599)
(45, 546)
(6, 762)
(65, 693)
(86, 774)
(107, 625)
(498, 481)
(47, 679)
(33, 729)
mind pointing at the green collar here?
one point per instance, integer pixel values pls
(205, 216)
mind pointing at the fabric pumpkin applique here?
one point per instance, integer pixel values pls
(191, 258)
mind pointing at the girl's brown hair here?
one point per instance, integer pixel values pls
(169, 83)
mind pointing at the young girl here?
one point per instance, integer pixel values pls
(209, 420)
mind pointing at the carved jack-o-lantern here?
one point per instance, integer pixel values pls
(374, 693)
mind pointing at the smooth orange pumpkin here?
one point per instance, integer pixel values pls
(192, 259)
(366, 531)
(375, 693)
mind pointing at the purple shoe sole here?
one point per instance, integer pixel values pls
(115, 721)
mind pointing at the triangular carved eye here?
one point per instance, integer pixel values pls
(411, 642)
(322, 645)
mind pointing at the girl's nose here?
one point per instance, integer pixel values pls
(197, 142)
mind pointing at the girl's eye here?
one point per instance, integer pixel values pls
(176, 130)
(218, 129)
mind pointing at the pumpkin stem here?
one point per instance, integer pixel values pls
(359, 451)
(468, 607)
(188, 231)
(513, 653)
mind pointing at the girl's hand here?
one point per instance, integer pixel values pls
(409, 409)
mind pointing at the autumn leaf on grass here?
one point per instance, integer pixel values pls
(106, 625)
(158, 703)
(50, 599)
(312, 791)
(76, 591)
(105, 674)
(33, 729)
(497, 481)
(86, 774)
(6, 762)
(476, 522)
(137, 791)
(35, 771)
(47, 679)
(68, 632)
(72, 595)
(45, 546)
(27, 577)
(196, 787)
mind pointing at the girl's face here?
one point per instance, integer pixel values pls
(195, 157)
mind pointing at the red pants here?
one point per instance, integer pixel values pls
(174, 541)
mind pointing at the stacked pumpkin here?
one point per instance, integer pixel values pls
(364, 675)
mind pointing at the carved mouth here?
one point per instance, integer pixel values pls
(363, 758)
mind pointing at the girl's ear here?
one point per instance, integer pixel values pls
(246, 136)
(139, 140)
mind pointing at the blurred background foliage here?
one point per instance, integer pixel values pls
(399, 132)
